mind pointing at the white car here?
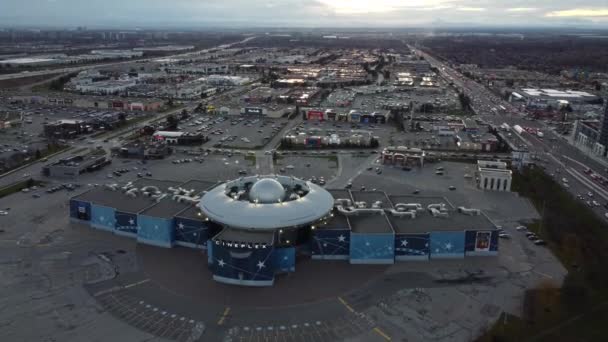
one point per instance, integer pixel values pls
(521, 228)
(4, 213)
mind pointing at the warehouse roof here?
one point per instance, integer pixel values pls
(162, 185)
(166, 209)
(425, 222)
(370, 197)
(370, 224)
(115, 199)
(193, 212)
(198, 185)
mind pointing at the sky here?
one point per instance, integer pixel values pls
(303, 13)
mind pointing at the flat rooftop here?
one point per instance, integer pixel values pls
(245, 236)
(370, 197)
(425, 222)
(370, 224)
(115, 199)
(162, 185)
(192, 213)
(197, 185)
(166, 208)
(339, 193)
(338, 221)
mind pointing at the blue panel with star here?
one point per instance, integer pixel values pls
(243, 266)
(285, 259)
(372, 248)
(447, 244)
(102, 217)
(412, 246)
(155, 231)
(80, 210)
(126, 224)
(190, 233)
(330, 244)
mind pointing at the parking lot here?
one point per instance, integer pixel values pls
(318, 169)
(234, 131)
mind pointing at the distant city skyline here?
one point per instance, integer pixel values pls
(302, 13)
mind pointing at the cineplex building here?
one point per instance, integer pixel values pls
(258, 227)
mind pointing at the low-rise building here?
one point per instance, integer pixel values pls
(493, 175)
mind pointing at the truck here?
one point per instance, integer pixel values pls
(518, 129)
(505, 126)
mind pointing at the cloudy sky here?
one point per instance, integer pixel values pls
(303, 13)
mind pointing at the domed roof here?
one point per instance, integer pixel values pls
(267, 190)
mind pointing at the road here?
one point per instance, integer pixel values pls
(553, 151)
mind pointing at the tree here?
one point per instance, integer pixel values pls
(172, 123)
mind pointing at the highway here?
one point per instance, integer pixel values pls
(553, 151)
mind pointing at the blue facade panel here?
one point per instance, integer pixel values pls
(126, 224)
(243, 266)
(483, 242)
(80, 210)
(330, 244)
(155, 231)
(447, 245)
(103, 217)
(285, 259)
(209, 252)
(412, 246)
(190, 233)
(372, 248)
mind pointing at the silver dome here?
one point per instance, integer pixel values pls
(267, 190)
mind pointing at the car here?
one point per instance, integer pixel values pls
(521, 228)
(362, 187)
(416, 192)
(370, 168)
(539, 242)
(3, 213)
(590, 194)
(595, 203)
(532, 237)
(504, 236)
(452, 188)
(405, 168)
(242, 172)
(36, 195)
(350, 185)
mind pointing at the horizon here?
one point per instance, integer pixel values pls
(304, 14)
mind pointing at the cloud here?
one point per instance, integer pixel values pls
(579, 12)
(471, 9)
(522, 9)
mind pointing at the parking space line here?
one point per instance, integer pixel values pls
(223, 318)
(346, 304)
(382, 333)
(137, 283)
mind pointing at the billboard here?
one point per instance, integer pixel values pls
(314, 114)
(253, 111)
(480, 243)
(80, 210)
